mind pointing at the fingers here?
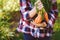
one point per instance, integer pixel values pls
(39, 4)
(44, 24)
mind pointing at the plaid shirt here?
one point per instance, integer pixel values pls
(24, 27)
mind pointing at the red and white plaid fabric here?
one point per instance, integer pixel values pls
(24, 24)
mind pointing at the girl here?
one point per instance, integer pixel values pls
(29, 30)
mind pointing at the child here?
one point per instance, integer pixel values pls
(31, 32)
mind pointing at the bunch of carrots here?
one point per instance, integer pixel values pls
(43, 13)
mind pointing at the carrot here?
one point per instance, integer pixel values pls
(46, 16)
(38, 19)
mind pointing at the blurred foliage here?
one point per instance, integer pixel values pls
(11, 5)
(9, 10)
(5, 33)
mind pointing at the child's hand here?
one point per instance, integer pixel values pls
(40, 24)
(39, 4)
(44, 24)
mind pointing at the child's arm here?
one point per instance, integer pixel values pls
(34, 10)
(26, 12)
(53, 13)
